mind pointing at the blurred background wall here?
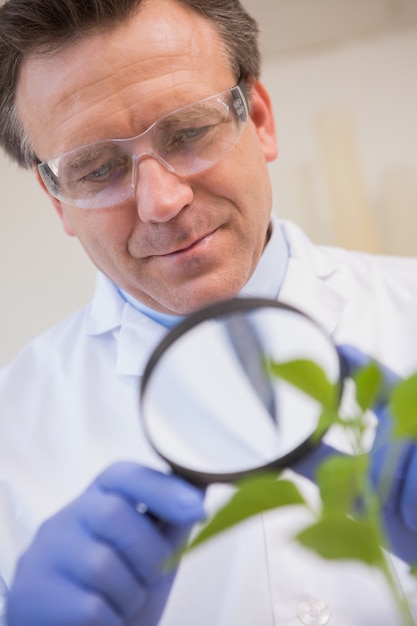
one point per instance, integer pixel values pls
(343, 78)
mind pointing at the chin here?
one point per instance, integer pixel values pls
(211, 296)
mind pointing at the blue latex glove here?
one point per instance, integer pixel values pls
(393, 469)
(99, 561)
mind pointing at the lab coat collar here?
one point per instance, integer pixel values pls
(106, 308)
(268, 277)
(137, 335)
(307, 283)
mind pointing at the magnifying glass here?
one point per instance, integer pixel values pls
(212, 407)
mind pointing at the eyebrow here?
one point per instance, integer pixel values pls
(195, 112)
(78, 159)
(84, 155)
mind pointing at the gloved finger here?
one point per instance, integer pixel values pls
(167, 497)
(389, 466)
(137, 537)
(156, 598)
(408, 499)
(92, 565)
(58, 603)
(109, 511)
(354, 359)
(308, 464)
(393, 473)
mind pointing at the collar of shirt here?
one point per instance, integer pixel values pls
(308, 284)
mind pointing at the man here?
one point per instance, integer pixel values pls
(147, 125)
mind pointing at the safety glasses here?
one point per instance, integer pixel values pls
(187, 141)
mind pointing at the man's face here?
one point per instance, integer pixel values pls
(178, 243)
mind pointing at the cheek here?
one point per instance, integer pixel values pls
(252, 175)
(104, 242)
(250, 153)
(101, 228)
(243, 172)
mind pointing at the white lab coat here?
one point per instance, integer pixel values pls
(69, 408)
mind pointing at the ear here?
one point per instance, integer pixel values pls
(57, 204)
(262, 116)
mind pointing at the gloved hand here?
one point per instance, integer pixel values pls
(100, 561)
(393, 469)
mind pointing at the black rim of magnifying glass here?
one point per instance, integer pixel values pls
(220, 310)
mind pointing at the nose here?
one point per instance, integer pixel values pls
(160, 194)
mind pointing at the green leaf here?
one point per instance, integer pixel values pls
(327, 419)
(254, 495)
(404, 408)
(368, 382)
(339, 537)
(309, 378)
(341, 480)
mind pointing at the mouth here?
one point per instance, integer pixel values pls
(191, 247)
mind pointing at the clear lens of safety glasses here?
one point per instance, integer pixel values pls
(186, 141)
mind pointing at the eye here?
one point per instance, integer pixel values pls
(187, 136)
(106, 170)
(100, 172)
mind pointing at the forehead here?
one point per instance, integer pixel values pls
(117, 82)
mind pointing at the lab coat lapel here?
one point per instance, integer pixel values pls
(138, 337)
(136, 334)
(307, 285)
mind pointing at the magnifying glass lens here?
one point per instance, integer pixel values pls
(212, 406)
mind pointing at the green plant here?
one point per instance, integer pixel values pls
(348, 525)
